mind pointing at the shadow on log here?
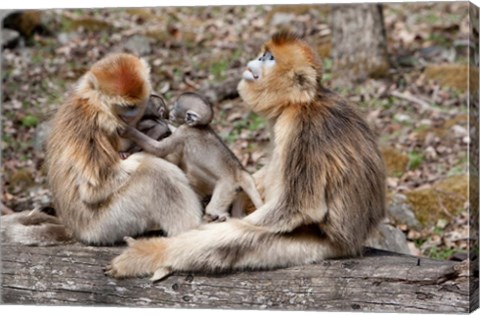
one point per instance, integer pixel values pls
(378, 281)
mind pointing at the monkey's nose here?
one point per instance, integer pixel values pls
(249, 75)
(255, 76)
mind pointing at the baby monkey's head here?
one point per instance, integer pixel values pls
(191, 109)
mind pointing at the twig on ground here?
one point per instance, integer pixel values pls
(408, 97)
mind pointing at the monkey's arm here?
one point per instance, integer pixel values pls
(281, 215)
(159, 148)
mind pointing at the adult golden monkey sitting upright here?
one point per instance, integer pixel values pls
(98, 196)
(324, 183)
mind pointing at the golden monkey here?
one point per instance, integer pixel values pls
(324, 183)
(210, 166)
(97, 195)
(36, 228)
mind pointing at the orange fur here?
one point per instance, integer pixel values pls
(294, 79)
(292, 52)
(119, 75)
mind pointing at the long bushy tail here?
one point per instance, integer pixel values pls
(33, 228)
(230, 245)
(237, 244)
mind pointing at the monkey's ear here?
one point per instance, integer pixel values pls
(92, 81)
(305, 79)
(191, 118)
(159, 107)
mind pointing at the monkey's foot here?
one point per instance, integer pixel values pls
(141, 258)
(124, 155)
(215, 217)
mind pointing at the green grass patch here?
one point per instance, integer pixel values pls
(29, 121)
(218, 69)
(440, 253)
(415, 159)
(251, 122)
(439, 39)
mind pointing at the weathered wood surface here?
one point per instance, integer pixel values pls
(379, 281)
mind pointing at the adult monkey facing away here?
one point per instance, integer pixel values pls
(324, 184)
(100, 197)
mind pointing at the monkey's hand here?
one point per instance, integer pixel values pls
(121, 130)
(215, 217)
(155, 129)
(140, 259)
(125, 131)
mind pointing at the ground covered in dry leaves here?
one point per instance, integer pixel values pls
(419, 111)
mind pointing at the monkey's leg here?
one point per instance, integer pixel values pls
(243, 203)
(248, 185)
(259, 178)
(239, 205)
(223, 195)
(278, 216)
(220, 247)
(156, 196)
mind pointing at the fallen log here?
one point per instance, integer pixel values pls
(378, 281)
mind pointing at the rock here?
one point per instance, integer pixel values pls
(138, 44)
(401, 212)
(437, 54)
(389, 238)
(10, 38)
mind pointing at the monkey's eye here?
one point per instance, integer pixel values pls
(267, 56)
(128, 112)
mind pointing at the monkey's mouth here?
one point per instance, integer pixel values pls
(249, 75)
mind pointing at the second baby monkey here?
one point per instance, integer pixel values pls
(209, 164)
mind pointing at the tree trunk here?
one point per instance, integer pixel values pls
(377, 282)
(359, 43)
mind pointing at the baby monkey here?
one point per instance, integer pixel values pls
(211, 167)
(153, 123)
